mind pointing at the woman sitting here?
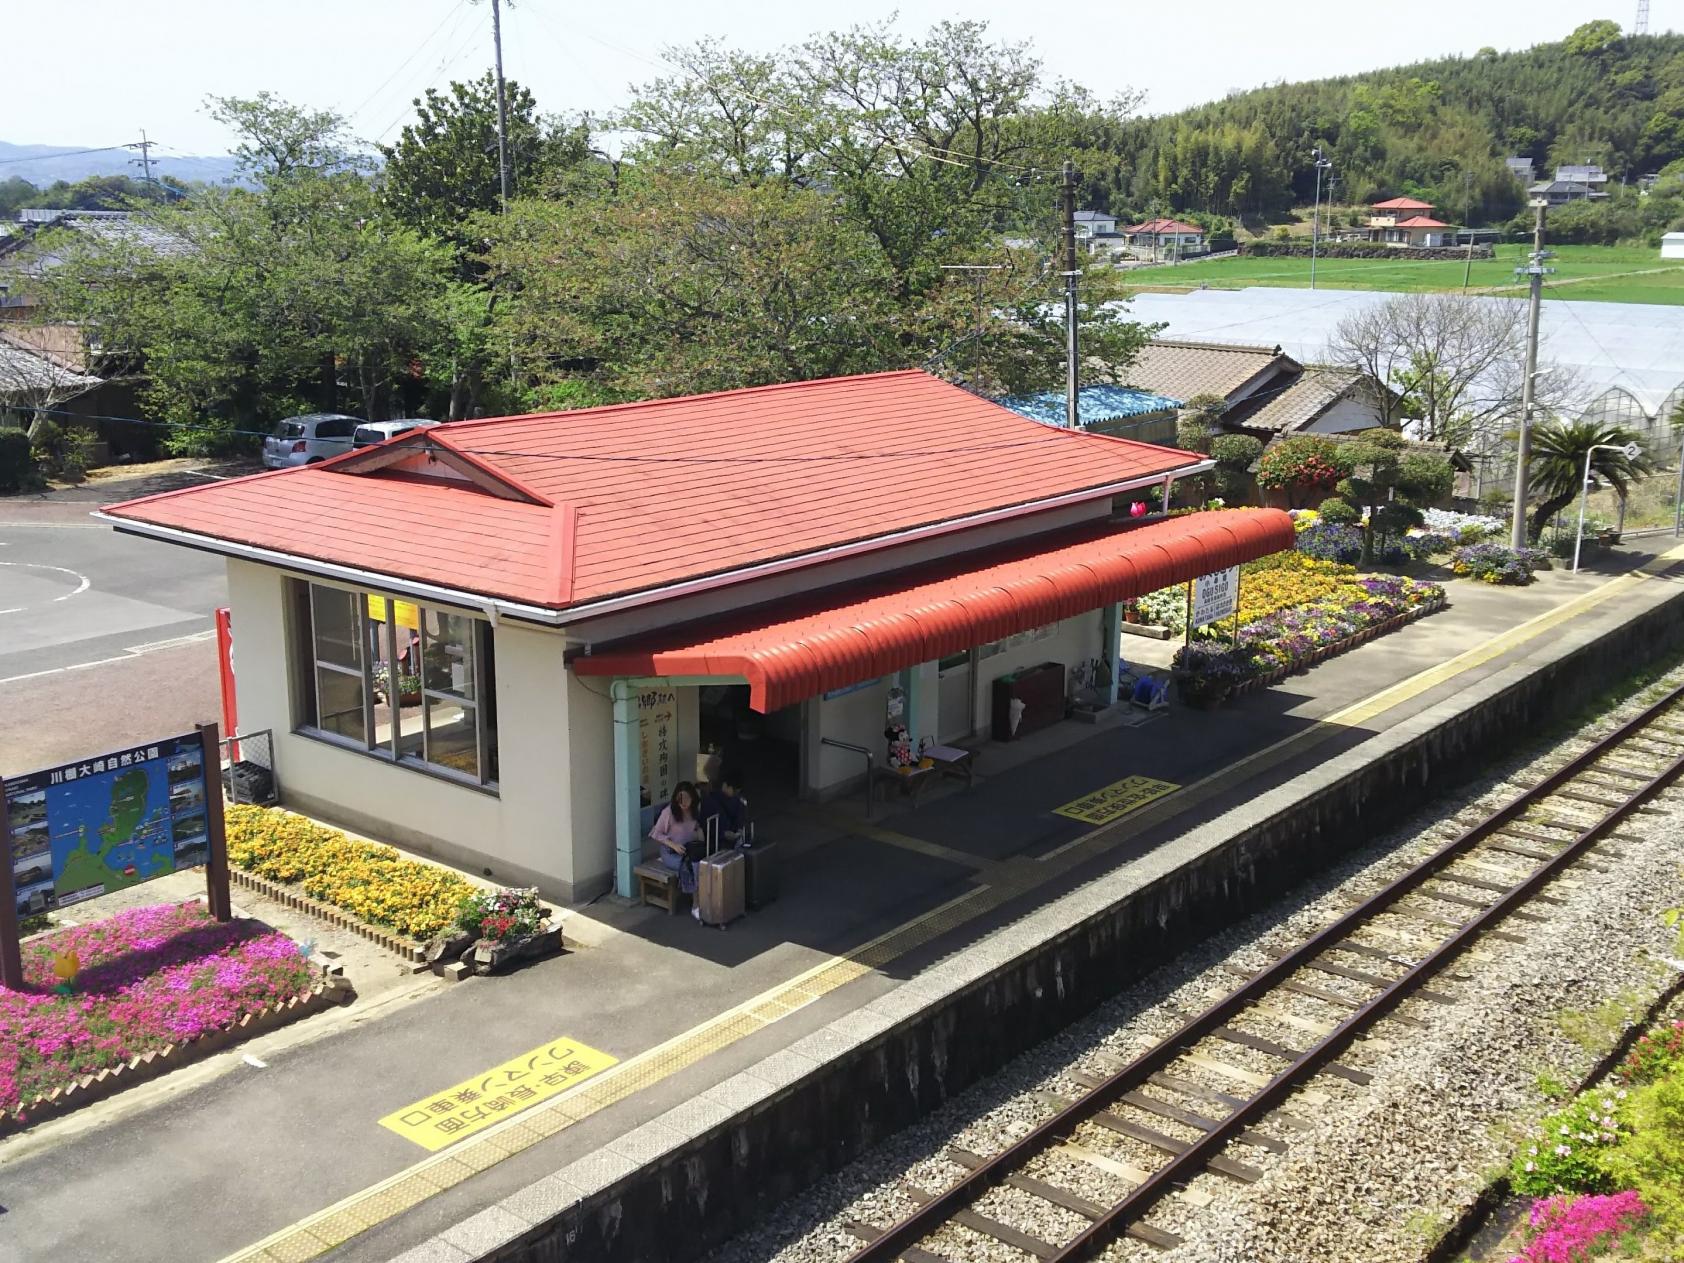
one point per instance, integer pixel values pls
(676, 828)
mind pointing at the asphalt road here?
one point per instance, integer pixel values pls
(104, 638)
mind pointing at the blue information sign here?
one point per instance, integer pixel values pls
(89, 828)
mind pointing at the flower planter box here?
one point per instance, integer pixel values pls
(487, 956)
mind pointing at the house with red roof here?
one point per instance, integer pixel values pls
(1407, 221)
(503, 642)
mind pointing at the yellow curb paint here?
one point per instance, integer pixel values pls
(409, 1187)
(453, 1114)
(1116, 800)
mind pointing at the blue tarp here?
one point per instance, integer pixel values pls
(1096, 403)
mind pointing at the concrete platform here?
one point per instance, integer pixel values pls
(874, 920)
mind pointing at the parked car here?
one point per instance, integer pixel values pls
(371, 432)
(308, 439)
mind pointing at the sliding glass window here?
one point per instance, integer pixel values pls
(402, 681)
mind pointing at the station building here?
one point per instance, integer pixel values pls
(501, 642)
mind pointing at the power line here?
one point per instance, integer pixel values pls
(454, 11)
(68, 153)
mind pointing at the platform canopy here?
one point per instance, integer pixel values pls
(795, 649)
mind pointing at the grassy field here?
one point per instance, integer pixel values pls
(1617, 274)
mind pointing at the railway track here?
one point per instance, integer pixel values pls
(1334, 988)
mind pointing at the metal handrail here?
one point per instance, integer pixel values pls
(870, 767)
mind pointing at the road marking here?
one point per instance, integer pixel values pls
(447, 1117)
(1116, 800)
(126, 656)
(82, 585)
(316, 1234)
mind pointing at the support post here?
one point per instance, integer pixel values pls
(218, 898)
(910, 716)
(502, 106)
(1111, 632)
(628, 779)
(1072, 405)
(11, 956)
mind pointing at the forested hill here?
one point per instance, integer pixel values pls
(1420, 130)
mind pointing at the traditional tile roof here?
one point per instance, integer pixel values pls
(1095, 403)
(24, 370)
(1403, 203)
(562, 509)
(1295, 405)
(1182, 369)
(1421, 221)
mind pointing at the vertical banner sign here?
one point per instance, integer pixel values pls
(657, 714)
(1215, 597)
(102, 824)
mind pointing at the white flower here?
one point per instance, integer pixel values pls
(1607, 1104)
(1564, 1130)
(1533, 1151)
(1532, 1166)
(1563, 1150)
(1621, 1094)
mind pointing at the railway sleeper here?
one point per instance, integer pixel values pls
(1373, 980)
(1057, 1196)
(1326, 996)
(1241, 1171)
(1270, 1048)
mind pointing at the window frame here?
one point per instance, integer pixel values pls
(300, 631)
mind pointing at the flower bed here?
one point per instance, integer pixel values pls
(371, 882)
(149, 979)
(1493, 563)
(1358, 608)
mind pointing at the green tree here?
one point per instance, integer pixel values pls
(296, 290)
(1234, 455)
(1593, 37)
(1559, 449)
(443, 167)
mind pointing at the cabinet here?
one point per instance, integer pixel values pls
(1041, 690)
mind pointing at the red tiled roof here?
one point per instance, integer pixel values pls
(1163, 226)
(644, 495)
(1421, 221)
(802, 648)
(1403, 203)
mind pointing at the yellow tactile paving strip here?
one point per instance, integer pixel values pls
(995, 883)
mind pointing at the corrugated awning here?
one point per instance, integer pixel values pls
(800, 648)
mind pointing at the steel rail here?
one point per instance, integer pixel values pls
(944, 1206)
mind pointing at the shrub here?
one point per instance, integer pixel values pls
(17, 465)
(1571, 1152)
(1493, 563)
(1331, 542)
(1300, 466)
(1235, 451)
(1652, 1157)
(1340, 512)
(1657, 1053)
(1574, 1229)
(60, 450)
(370, 881)
(1471, 528)
(1429, 543)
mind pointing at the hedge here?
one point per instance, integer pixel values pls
(1360, 250)
(17, 466)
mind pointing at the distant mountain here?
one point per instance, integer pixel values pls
(1437, 130)
(41, 165)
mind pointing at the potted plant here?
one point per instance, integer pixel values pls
(509, 925)
(408, 686)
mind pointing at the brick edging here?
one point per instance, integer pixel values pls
(288, 897)
(137, 1070)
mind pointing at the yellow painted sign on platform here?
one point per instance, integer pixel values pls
(445, 1117)
(408, 615)
(1116, 800)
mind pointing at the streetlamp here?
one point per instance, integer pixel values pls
(1632, 452)
(1322, 164)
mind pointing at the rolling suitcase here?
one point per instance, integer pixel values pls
(761, 876)
(721, 885)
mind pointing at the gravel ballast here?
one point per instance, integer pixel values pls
(1384, 1169)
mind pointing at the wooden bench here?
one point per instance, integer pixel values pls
(657, 884)
(912, 782)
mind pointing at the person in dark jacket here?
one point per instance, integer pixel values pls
(726, 804)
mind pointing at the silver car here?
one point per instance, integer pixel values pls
(371, 432)
(308, 439)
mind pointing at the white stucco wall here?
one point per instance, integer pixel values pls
(527, 832)
(1346, 415)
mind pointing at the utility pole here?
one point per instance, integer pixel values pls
(144, 162)
(502, 104)
(1072, 409)
(1535, 271)
(1322, 164)
(1467, 223)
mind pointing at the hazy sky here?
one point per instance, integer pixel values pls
(93, 72)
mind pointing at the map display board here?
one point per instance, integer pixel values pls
(88, 828)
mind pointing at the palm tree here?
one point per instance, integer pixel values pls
(1558, 464)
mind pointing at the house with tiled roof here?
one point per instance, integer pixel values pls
(504, 642)
(1408, 221)
(1164, 238)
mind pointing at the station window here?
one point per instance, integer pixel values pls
(415, 684)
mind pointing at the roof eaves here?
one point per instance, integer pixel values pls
(481, 473)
